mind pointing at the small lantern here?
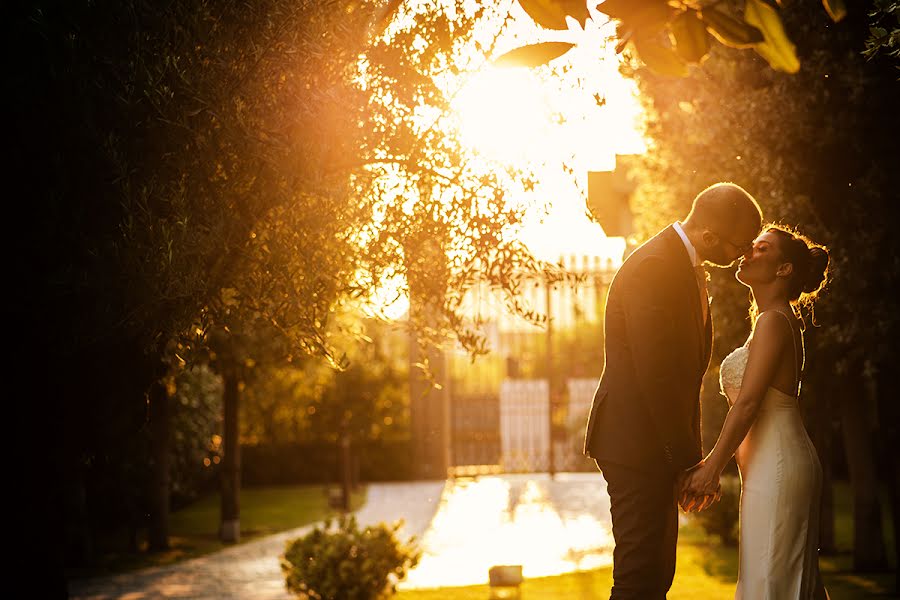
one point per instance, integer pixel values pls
(505, 581)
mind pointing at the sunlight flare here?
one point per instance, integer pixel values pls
(504, 114)
(506, 515)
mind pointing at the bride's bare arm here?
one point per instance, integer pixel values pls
(770, 337)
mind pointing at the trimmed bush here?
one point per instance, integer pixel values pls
(339, 561)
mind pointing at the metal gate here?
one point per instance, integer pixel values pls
(475, 434)
(510, 432)
(525, 425)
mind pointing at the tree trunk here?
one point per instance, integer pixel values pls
(868, 540)
(356, 478)
(889, 430)
(893, 486)
(230, 527)
(346, 471)
(80, 547)
(161, 450)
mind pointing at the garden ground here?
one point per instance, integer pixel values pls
(508, 518)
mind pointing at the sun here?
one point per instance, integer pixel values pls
(521, 118)
(504, 114)
(558, 129)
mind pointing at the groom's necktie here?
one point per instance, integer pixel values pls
(700, 273)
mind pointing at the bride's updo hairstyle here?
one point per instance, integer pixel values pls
(810, 261)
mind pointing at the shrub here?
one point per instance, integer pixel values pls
(339, 561)
(722, 518)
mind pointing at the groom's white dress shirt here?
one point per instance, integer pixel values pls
(698, 269)
(692, 252)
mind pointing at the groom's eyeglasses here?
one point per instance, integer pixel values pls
(743, 247)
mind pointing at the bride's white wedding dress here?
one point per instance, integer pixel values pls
(781, 484)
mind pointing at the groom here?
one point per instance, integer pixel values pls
(644, 425)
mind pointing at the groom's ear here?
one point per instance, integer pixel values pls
(710, 239)
(784, 269)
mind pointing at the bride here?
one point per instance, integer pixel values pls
(781, 478)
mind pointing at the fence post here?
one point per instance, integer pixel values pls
(551, 468)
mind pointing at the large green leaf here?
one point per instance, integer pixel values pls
(689, 37)
(551, 14)
(644, 16)
(730, 31)
(533, 55)
(836, 9)
(777, 48)
(658, 58)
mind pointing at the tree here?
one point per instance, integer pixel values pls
(667, 37)
(436, 219)
(306, 400)
(884, 30)
(163, 145)
(175, 128)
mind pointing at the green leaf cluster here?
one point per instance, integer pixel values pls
(669, 36)
(884, 31)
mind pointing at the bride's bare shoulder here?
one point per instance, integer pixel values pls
(772, 326)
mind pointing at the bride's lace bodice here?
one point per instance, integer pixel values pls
(731, 372)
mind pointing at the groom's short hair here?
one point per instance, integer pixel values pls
(722, 206)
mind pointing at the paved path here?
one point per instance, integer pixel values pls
(549, 526)
(251, 571)
(464, 526)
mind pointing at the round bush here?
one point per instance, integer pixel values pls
(339, 561)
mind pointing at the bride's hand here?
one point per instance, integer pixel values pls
(686, 500)
(701, 488)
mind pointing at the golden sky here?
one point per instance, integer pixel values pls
(536, 120)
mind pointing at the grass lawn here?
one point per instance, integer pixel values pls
(194, 529)
(705, 569)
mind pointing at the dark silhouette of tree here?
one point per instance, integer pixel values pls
(166, 148)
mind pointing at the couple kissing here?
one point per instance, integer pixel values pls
(644, 425)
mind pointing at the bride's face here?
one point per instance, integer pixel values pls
(761, 264)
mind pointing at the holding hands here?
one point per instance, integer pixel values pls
(698, 487)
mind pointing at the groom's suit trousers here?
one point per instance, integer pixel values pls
(645, 527)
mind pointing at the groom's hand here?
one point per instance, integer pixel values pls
(700, 488)
(686, 499)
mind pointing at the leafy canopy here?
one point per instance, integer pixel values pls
(670, 35)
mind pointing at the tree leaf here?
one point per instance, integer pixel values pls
(689, 37)
(552, 14)
(777, 48)
(645, 16)
(730, 31)
(659, 59)
(836, 9)
(533, 55)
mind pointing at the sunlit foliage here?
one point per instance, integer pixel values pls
(668, 36)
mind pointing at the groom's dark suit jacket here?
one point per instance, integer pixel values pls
(646, 410)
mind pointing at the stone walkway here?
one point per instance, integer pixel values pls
(464, 526)
(549, 526)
